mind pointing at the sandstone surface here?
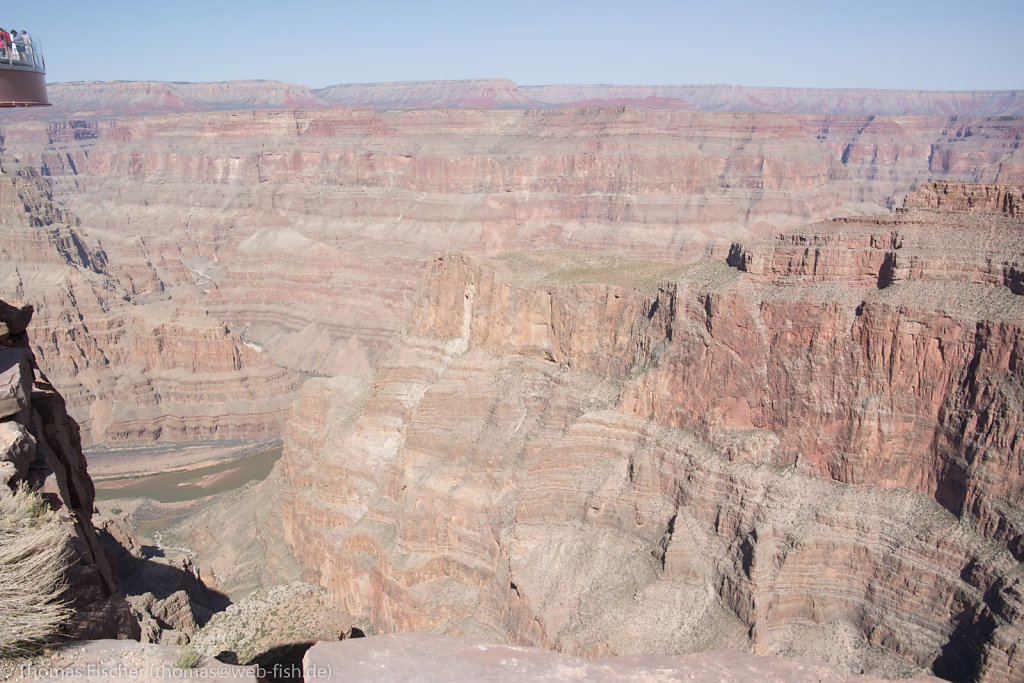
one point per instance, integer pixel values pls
(102, 661)
(813, 451)
(427, 658)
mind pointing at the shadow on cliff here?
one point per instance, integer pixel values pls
(149, 570)
(961, 657)
(283, 663)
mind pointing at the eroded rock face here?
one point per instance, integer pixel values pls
(971, 198)
(42, 450)
(814, 452)
(136, 355)
(274, 244)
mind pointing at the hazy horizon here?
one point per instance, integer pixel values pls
(536, 85)
(873, 45)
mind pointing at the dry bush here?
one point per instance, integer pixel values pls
(34, 558)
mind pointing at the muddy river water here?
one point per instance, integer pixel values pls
(184, 485)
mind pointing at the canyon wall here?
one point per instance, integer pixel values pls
(127, 341)
(273, 245)
(810, 450)
(738, 98)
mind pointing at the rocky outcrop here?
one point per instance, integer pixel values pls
(946, 232)
(42, 450)
(272, 620)
(428, 658)
(794, 455)
(170, 621)
(165, 588)
(1008, 200)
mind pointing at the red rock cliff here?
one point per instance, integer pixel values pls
(306, 232)
(134, 362)
(815, 451)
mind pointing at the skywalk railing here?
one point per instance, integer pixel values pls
(25, 53)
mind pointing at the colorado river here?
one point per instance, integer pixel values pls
(183, 485)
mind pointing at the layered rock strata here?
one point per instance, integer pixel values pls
(970, 198)
(135, 353)
(305, 232)
(790, 100)
(40, 448)
(811, 450)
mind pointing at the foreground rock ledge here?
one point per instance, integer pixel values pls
(121, 660)
(430, 657)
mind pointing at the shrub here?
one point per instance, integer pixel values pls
(188, 658)
(34, 559)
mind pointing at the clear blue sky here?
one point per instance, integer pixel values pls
(893, 44)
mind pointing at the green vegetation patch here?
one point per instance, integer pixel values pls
(566, 266)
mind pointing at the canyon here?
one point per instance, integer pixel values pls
(598, 369)
(221, 258)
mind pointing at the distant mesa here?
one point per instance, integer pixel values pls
(120, 98)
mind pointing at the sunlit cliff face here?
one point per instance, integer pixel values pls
(780, 455)
(266, 246)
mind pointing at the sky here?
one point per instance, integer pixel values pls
(913, 44)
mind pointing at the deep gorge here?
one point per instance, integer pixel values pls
(742, 380)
